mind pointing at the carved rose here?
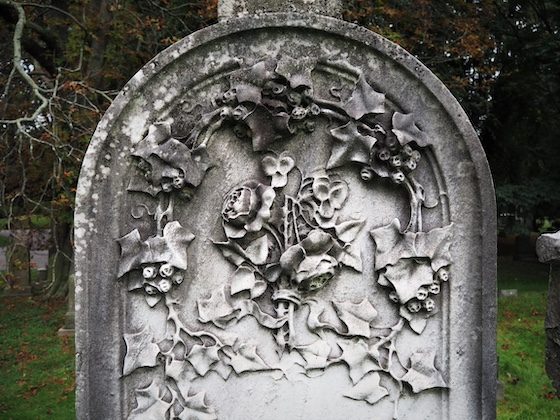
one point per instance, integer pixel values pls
(246, 208)
(309, 264)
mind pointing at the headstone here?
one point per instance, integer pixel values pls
(19, 268)
(285, 216)
(548, 250)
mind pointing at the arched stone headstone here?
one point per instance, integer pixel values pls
(285, 216)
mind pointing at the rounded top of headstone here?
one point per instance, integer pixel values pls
(236, 8)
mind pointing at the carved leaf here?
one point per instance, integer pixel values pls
(266, 127)
(349, 146)
(257, 251)
(216, 309)
(152, 300)
(245, 278)
(202, 358)
(232, 252)
(350, 258)
(407, 276)
(141, 351)
(406, 130)
(368, 389)
(246, 359)
(197, 409)
(356, 355)
(423, 374)
(347, 231)
(149, 404)
(418, 320)
(356, 316)
(392, 245)
(315, 354)
(364, 100)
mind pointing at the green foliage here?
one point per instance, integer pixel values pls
(37, 380)
(521, 339)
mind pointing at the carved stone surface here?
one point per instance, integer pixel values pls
(548, 250)
(285, 216)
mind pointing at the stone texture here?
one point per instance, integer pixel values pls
(285, 216)
(548, 250)
(237, 8)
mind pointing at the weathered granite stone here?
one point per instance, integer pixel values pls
(548, 250)
(237, 8)
(285, 216)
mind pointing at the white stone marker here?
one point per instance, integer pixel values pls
(285, 216)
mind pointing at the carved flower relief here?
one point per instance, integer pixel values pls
(246, 208)
(325, 194)
(277, 168)
(167, 164)
(309, 264)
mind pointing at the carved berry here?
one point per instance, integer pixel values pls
(226, 112)
(384, 154)
(421, 293)
(429, 304)
(299, 113)
(414, 306)
(166, 270)
(167, 186)
(178, 182)
(314, 109)
(178, 278)
(149, 272)
(151, 290)
(393, 296)
(407, 150)
(398, 177)
(434, 288)
(410, 164)
(229, 96)
(294, 98)
(416, 156)
(395, 161)
(164, 285)
(366, 173)
(443, 274)
(240, 112)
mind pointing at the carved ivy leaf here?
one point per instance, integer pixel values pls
(245, 278)
(257, 251)
(407, 276)
(246, 359)
(356, 316)
(349, 146)
(392, 245)
(197, 409)
(348, 257)
(171, 247)
(406, 130)
(356, 355)
(222, 369)
(141, 351)
(315, 354)
(368, 389)
(216, 309)
(175, 368)
(416, 320)
(347, 231)
(203, 357)
(364, 100)
(152, 300)
(232, 252)
(423, 374)
(149, 404)
(296, 71)
(266, 127)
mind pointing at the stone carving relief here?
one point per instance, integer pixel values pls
(286, 240)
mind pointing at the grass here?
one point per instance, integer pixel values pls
(38, 366)
(37, 380)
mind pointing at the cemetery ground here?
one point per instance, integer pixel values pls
(37, 366)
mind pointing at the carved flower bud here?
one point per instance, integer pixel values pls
(240, 112)
(366, 173)
(299, 113)
(315, 109)
(166, 270)
(414, 306)
(229, 96)
(434, 288)
(226, 112)
(164, 285)
(178, 278)
(410, 164)
(393, 296)
(398, 177)
(443, 274)
(407, 150)
(421, 293)
(384, 154)
(395, 161)
(151, 290)
(149, 272)
(429, 304)
(416, 156)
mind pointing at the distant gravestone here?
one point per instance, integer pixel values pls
(548, 250)
(285, 216)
